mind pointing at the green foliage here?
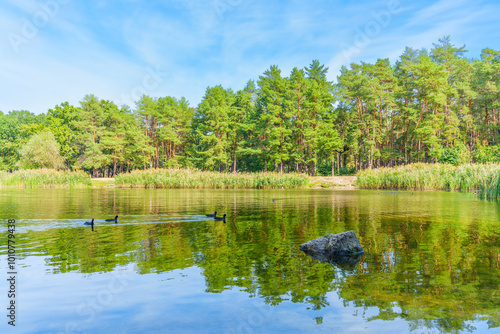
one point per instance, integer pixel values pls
(15, 130)
(60, 123)
(484, 154)
(456, 155)
(9, 133)
(41, 151)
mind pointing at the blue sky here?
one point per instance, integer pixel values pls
(53, 51)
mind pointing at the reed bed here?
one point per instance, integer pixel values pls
(194, 178)
(44, 178)
(490, 190)
(483, 178)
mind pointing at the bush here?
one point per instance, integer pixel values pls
(484, 154)
(456, 155)
(41, 151)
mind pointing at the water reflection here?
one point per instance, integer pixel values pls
(347, 262)
(432, 259)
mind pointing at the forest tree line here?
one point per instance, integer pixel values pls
(430, 106)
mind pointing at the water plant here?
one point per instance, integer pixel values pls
(483, 178)
(44, 178)
(195, 178)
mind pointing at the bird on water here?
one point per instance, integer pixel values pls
(89, 223)
(212, 215)
(221, 218)
(112, 219)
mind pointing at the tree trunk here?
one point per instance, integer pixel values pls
(157, 160)
(234, 163)
(315, 163)
(333, 165)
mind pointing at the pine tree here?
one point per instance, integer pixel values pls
(274, 118)
(213, 126)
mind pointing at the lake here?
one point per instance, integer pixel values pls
(431, 262)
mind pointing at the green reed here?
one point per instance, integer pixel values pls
(490, 190)
(483, 178)
(194, 178)
(44, 178)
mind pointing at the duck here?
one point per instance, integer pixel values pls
(112, 219)
(89, 223)
(221, 218)
(212, 215)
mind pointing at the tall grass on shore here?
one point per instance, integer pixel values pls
(44, 178)
(491, 189)
(481, 177)
(193, 178)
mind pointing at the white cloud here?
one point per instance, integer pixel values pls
(436, 13)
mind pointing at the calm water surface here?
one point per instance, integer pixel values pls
(431, 262)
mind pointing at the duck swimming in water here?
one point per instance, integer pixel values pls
(221, 218)
(212, 215)
(89, 223)
(112, 219)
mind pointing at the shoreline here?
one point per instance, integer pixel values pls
(344, 182)
(316, 182)
(173, 178)
(481, 178)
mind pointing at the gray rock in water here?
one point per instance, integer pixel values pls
(345, 243)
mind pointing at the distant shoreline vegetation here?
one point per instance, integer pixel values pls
(45, 178)
(482, 178)
(193, 178)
